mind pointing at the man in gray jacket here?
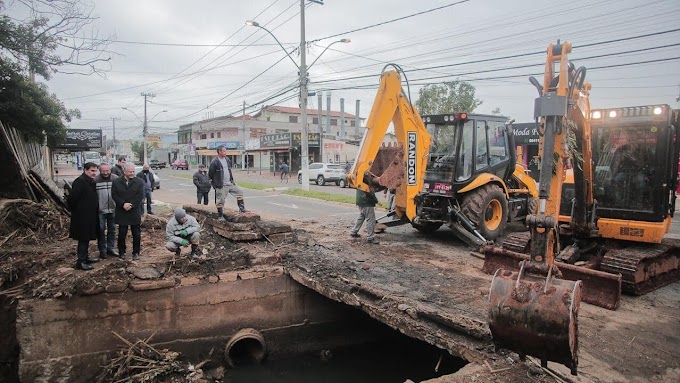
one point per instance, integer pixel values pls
(107, 208)
(182, 230)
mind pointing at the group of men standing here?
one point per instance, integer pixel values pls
(100, 202)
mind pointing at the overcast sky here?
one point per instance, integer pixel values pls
(172, 48)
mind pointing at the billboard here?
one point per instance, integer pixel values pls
(81, 139)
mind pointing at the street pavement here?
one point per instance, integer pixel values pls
(177, 189)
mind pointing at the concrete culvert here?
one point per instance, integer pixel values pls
(247, 346)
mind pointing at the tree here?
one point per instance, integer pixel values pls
(28, 107)
(138, 149)
(52, 37)
(496, 111)
(450, 97)
(43, 37)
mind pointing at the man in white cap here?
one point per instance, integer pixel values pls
(182, 230)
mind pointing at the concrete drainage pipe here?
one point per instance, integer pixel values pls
(247, 346)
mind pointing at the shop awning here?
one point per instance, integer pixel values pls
(213, 152)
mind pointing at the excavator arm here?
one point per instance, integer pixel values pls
(406, 173)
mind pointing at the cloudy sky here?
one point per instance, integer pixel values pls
(199, 58)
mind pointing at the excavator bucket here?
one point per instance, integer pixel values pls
(599, 288)
(389, 166)
(535, 315)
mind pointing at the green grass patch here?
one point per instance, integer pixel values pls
(254, 186)
(321, 195)
(187, 176)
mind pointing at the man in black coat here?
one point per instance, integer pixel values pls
(128, 192)
(84, 206)
(118, 168)
(202, 182)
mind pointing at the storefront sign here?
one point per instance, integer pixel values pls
(275, 140)
(525, 133)
(81, 139)
(226, 144)
(312, 139)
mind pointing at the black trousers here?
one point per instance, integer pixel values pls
(202, 196)
(136, 238)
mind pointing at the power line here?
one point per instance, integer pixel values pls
(391, 21)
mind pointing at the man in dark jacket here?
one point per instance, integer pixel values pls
(118, 168)
(366, 202)
(222, 180)
(128, 193)
(202, 182)
(147, 177)
(107, 209)
(82, 201)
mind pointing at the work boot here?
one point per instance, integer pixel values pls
(373, 241)
(241, 206)
(354, 235)
(113, 252)
(89, 260)
(83, 266)
(102, 255)
(220, 215)
(194, 251)
(121, 256)
(135, 256)
(178, 252)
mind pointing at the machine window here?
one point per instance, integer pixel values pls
(482, 152)
(465, 160)
(498, 151)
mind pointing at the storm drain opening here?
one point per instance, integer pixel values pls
(354, 348)
(246, 347)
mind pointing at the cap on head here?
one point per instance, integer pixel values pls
(180, 213)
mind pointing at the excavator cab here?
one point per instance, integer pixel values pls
(471, 165)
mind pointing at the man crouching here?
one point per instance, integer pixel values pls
(182, 230)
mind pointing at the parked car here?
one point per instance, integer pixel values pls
(155, 164)
(323, 173)
(180, 164)
(156, 179)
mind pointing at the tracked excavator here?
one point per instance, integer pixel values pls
(456, 169)
(600, 225)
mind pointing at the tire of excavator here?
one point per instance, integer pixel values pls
(428, 227)
(487, 208)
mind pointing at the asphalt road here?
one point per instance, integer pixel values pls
(177, 189)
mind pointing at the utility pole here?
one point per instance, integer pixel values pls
(145, 131)
(303, 100)
(320, 114)
(113, 122)
(243, 138)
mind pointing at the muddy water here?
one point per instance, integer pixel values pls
(393, 359)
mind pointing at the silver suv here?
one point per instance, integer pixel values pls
(323, 173)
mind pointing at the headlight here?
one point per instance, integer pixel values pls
(597, 115)
(658, 110)
(612, 113)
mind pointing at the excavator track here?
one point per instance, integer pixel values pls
(518, 242)
(643, 268)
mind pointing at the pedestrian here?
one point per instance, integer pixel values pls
(391, 193)
(222, 180)
(366, 202)
(147, 177)
(107, 209)
(202, 182)
(128, 193)
(83, 204)
(182, 230)
(284, 171)
(118, 168)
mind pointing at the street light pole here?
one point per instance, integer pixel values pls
(146, 126)
(303, 100)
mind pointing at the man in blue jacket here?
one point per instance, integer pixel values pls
(222, 180)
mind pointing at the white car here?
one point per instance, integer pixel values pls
(323, 173)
